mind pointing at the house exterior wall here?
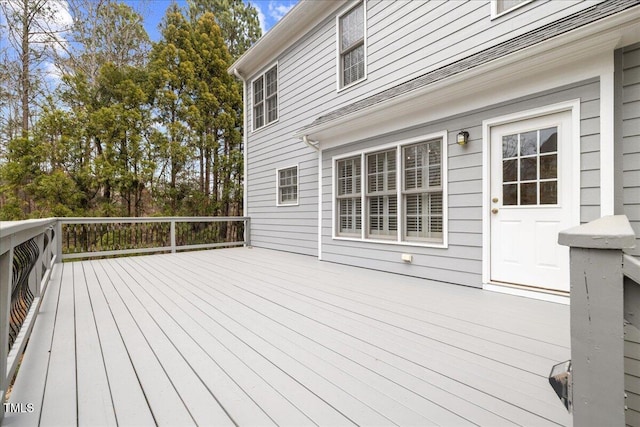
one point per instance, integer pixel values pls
(461, 262)
(433, 34)
(628, 139)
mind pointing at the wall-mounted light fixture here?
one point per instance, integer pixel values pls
(463, 137)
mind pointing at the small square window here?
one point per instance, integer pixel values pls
(287, 186)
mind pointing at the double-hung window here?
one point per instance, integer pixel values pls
(404, 193)
(351, 45)
(349, 196)
(287, 186)
(422, 191)
(265, 98)
(382, 195)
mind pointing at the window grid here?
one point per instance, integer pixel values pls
(265, 98)
(382, 198)
(530, 168)
(352, 55)
(421, 217)
(288, 186)
(349, 196)
(422, 192)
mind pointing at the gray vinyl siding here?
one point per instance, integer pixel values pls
(632, 373)
(461, 262)
(629, 108)
(433, 34)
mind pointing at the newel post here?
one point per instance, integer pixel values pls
(597, 340)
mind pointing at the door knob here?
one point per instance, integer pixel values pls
(494, 211)
(494, 200)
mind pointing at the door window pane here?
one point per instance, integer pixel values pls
(549, 166)
(529, 193)
(530, 168)
(549, 193)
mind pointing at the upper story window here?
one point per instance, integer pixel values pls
(500, 7)
(351, 45)
(265, 98)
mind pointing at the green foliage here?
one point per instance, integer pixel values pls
(134, 131)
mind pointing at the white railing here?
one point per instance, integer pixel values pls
(27, 256)
(30, 249)
(100, 237)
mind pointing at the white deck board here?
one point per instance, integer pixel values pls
(266, 385)
(260, 337)
(332, 370)
(95, 406)
(479, 377)
(59, 405)
(128, 398)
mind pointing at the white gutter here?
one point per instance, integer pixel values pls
(245, 176)
(313, 144)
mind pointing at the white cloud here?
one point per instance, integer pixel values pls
(278, 9)
(51, 26)
(261, 17)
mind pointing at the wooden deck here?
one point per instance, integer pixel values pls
(256, 337)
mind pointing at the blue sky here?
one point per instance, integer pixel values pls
(269, 11)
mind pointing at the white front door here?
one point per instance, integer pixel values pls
(530, 201)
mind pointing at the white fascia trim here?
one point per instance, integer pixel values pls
(443, 135)
(574, 107)
(297, 203)
(339, 87)
(319, 204)
(303, 17)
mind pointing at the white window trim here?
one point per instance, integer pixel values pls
(347, 9)
(297, 203)
(494, 8)
(401, 220)
(262, 74)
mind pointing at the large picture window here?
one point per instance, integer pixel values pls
(351, 45)
(404, 195)
(265, 98)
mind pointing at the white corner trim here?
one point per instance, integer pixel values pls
(607, 139)
(320, 204)
(574, 107)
